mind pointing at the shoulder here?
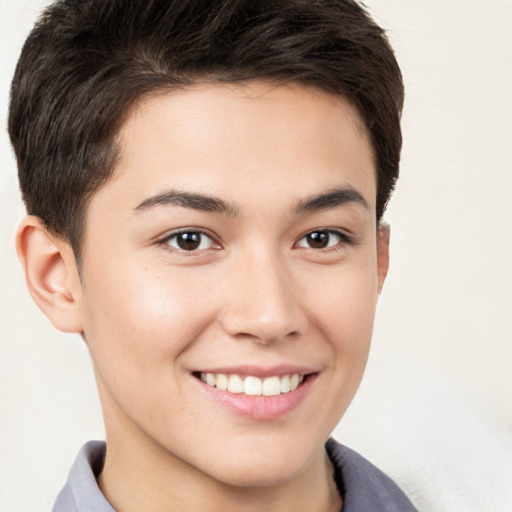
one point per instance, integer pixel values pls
(364, 487)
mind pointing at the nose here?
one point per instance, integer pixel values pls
(263, 303)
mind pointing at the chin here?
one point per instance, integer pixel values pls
(260, 467)
(268, 475)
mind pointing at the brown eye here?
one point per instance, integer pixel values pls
(320, 239)
(190, 241)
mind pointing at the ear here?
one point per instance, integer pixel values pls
(383, 236)
(51, 274)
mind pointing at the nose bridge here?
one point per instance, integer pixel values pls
(262, 301)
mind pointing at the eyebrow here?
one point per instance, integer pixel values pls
(201, 202)
(332, 199)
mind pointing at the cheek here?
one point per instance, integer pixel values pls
(344, 304)
(138, 321)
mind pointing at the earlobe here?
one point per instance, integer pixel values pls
(383, 237)
(51, 274)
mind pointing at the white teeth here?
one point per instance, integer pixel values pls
(271, 386)
(294, 381)
(285, 384)
(251, 385)
(236, 384)
(221, 381)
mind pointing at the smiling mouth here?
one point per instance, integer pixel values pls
(251, 385)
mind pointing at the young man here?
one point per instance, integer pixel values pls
(205, 183)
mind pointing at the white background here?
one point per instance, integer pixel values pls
(435, 408)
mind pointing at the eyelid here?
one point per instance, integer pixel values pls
(164, 240)
(346, 238)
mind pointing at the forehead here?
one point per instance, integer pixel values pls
(212, 107)
(225, 139)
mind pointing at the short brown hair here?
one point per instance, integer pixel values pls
(86, 62)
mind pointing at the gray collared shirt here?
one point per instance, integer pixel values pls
(364, 487)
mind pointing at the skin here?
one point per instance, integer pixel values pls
(255, 293)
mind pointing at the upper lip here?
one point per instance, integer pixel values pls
(259, 371)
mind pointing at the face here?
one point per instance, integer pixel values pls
(230, 277)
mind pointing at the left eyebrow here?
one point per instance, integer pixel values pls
(333, 198)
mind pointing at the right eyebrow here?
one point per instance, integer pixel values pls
(200, 202)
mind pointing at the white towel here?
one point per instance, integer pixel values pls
(438, 446)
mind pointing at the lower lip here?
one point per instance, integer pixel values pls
(261, 407)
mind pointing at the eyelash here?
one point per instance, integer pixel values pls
(344, 240)
(165, 242)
